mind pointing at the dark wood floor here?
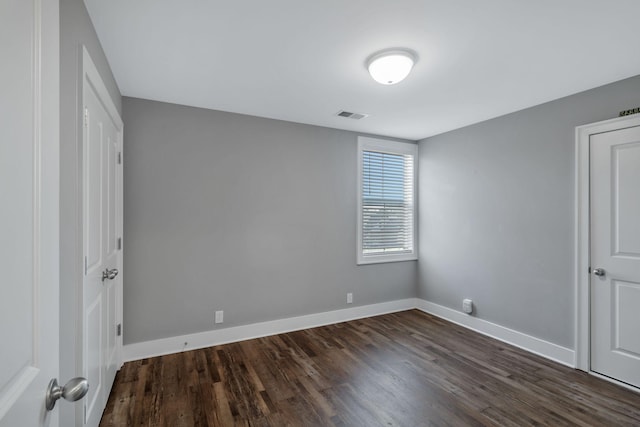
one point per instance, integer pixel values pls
(402, 369)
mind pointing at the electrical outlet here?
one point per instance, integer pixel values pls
(350, 298)
(219, 316)
(467, 306)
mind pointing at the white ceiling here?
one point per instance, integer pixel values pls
(304, 60)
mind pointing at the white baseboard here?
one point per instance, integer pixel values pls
(563, 355)
(170, 345)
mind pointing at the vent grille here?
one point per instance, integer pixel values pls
(350, 115)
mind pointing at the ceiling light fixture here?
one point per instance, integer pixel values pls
(389, 67)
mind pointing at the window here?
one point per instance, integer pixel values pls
(387, 173)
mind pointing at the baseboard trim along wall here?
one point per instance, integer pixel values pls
(170, 345)
(562, 355)
(177, 344)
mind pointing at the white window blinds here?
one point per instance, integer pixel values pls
(387, 201)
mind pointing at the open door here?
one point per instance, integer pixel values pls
(102, 240)
(29, 218)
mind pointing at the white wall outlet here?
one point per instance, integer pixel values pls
(467, 306)
(219, 316)
(349, 298)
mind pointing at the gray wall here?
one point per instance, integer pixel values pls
(75, 30)
(497, 215)
(252, 216)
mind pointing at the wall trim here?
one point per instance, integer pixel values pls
(160, 347)
(546, 349)
(195, 341)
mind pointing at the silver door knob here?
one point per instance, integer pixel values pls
(109, 274)
(113, 273)
(74, 390)
(598, 271)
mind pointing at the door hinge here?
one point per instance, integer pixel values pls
(119, 157)
(119, 243)
(119, 329)
(86, 116)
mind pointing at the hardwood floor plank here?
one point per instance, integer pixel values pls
(400, 369)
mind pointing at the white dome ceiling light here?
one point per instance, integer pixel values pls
(389, 67)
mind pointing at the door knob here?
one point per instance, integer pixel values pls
(113, 273)
(74, 390)
(109, 274)
(598, 271)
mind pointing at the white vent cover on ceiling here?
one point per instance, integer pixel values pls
(350, 115)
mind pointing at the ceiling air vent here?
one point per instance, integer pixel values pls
(350, 115)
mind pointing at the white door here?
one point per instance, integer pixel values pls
(29, 193)
(102, 213)
(615, 254)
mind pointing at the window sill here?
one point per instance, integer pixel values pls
(380, 259)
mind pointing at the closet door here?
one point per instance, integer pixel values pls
(615, 254)
(102, 213)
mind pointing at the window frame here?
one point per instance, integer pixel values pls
(391, 147)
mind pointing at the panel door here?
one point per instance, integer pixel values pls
(615, 254)
(29, 220)
(101, 213)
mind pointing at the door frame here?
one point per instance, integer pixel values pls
(582, 275)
